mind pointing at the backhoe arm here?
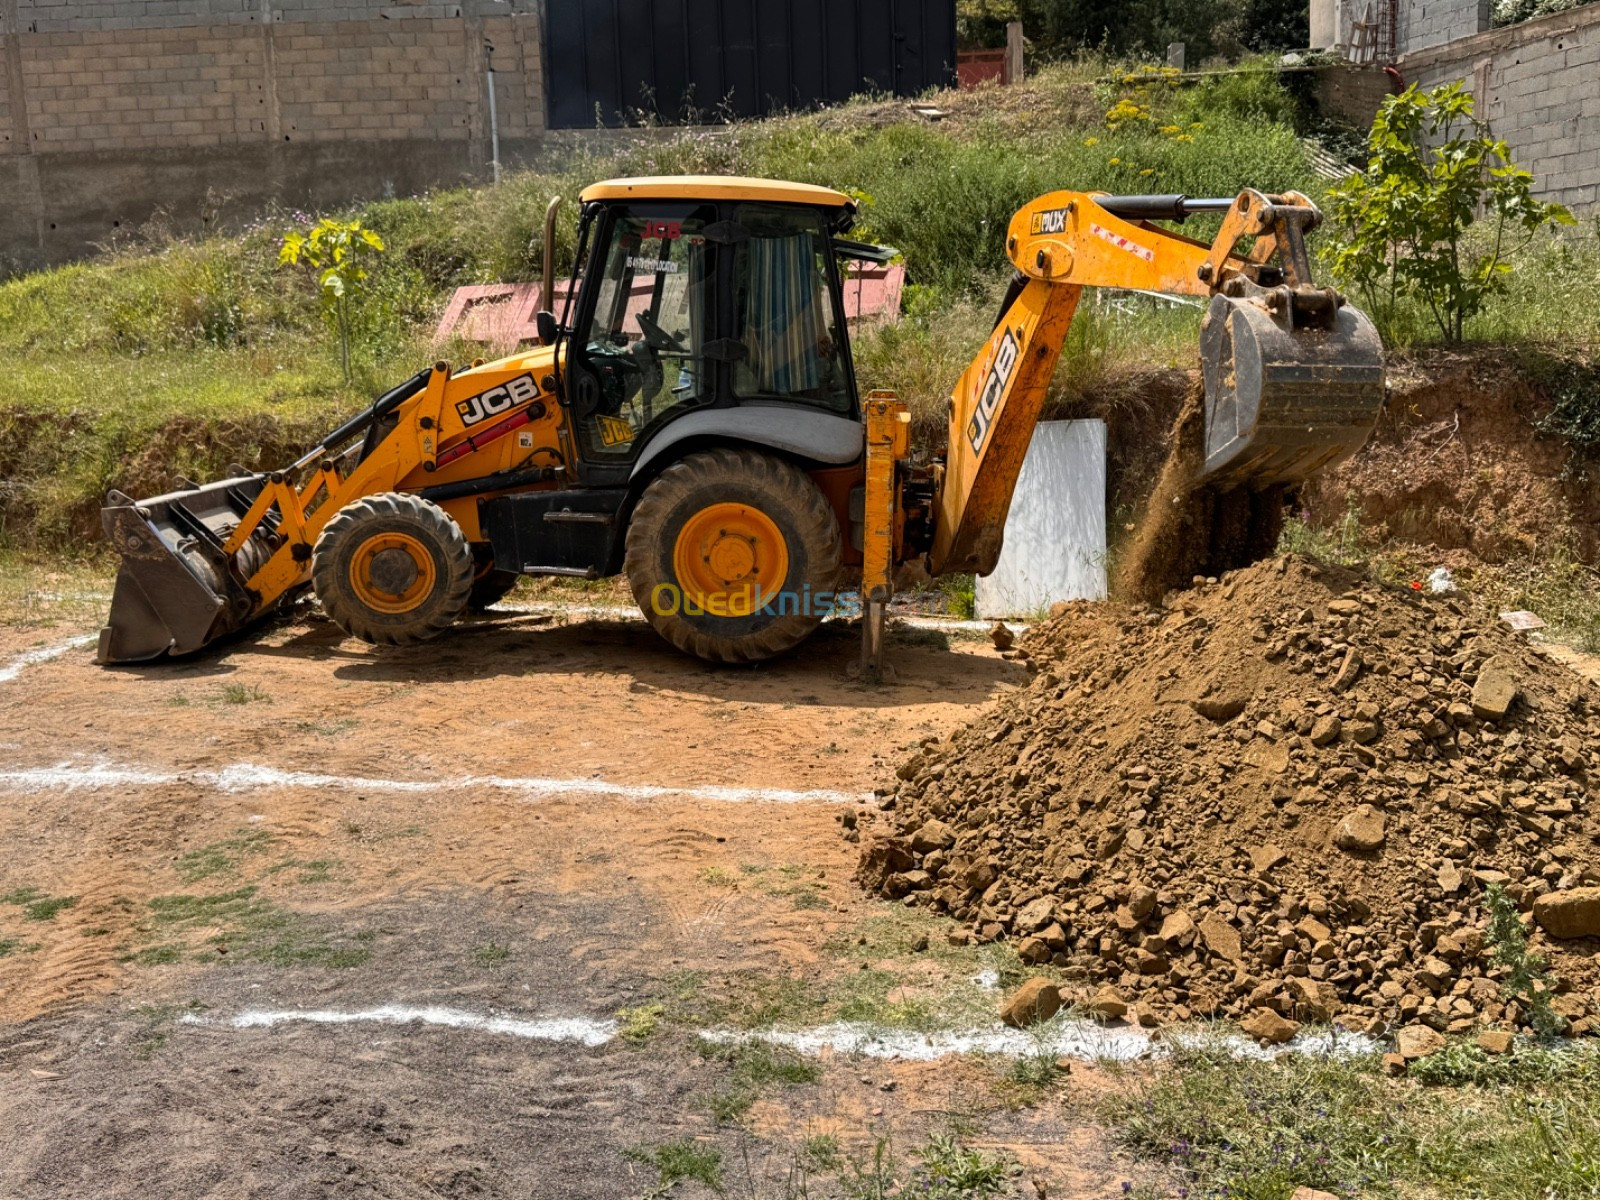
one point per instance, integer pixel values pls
(1066, 241)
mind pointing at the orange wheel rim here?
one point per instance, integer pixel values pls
(730, 559)
(392, 573)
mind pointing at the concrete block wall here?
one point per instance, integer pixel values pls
(1538, 84)
(1423, 23)
(112, 110)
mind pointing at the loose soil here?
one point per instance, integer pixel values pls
(1287, 791)
(194, 898)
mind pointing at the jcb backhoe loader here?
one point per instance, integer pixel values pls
(694, 422)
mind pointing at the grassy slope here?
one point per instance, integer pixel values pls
(179, 357)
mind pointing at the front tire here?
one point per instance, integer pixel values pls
(392, 569)
(733, 555)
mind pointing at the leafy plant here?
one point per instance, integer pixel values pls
(1527, 981)
(680, 1160)
(336, 253)
(1434, 167)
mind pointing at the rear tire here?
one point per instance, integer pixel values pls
(392, 569)
(719, 531)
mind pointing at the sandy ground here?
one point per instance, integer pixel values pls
(527, 818)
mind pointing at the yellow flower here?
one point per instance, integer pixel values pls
(1169, 129)
(1116, 162)
(1093, 141)
(1148, 171)
(1184, 137)
(1198, 125)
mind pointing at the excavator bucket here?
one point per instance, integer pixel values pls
(174, 591)
(1294, 383)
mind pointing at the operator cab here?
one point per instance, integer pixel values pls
(702, 293)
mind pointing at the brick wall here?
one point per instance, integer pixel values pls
(111, 110)
(1538, 84)
(1423, 23)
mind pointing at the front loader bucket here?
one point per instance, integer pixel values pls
(174, 592)
(1294, 383)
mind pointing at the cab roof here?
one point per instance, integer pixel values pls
(716, 187)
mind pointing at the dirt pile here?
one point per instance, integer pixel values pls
(1285, 794)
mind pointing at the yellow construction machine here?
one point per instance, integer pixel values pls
(693, 420)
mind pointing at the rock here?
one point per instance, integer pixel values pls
(1267, 1026)
(1344, 607)
(1176, 927)
(1418, 1041)
(1495, 1041)
(1264, 858)
(1033, 950)
(1305, 1193)
(1002, 637)
(1573, 913)
(1107, 1003)
(1314, 1000)
(1035, 1001)
(1449, 878)
(1141, 902)
(1220, 708)
(1361, 831)
(1394, 1064)
(1495, 691)
(933, 835)
(882, 857)
(1034, 915)
(1221, 938)
(1348, 670)
(1326, 730)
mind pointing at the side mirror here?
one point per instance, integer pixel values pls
(544, 322)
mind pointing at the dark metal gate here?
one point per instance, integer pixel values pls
(696, 60)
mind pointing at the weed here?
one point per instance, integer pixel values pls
(681, 1160)
(46, 908)
(10, 946)
(1527, 981)
(490, 954)
(755, 1066)
(950, 1171)
(1529, 1066)
(156, 956)
(1343, 545)
(640, 1023)
(317, 870)
(821, 1152)
(249, 928)
(22, 895)
(718, 877)
(240, 693)
(223, 856)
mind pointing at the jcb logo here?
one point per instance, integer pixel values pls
(497, 400)
(994, 387)
(1053, 221)
(667, 231)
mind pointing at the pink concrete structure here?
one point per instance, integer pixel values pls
(501, 315)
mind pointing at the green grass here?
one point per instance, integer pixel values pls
(675, 1162)
(640, 1023)
(247, 927)
(490, 954)
(9, 946)
(35, 905)
(242, 693)
(222, 857)
(1251, 1130)
(754, 1068)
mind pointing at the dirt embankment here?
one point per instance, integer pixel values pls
(1457, 461)
(1281, 798)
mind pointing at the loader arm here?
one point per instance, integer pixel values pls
(1269, 331)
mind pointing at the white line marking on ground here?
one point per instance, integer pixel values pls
(248, 777)
(1084, 1041)
(582, 1030)
(30, 658)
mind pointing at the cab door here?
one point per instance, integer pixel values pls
(638, 357)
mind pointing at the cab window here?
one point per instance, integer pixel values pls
(786, 318)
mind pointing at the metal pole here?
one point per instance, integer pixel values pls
(494, 118)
